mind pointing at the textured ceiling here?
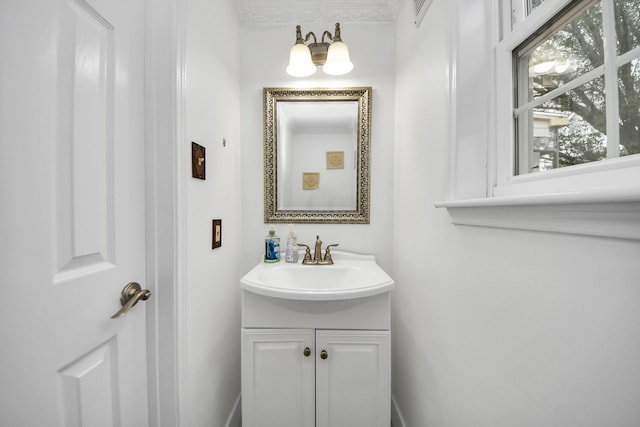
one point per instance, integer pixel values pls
(302, 11)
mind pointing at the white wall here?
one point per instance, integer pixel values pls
(265, 55)
(209, 307)
(492, 327)
(224, 100)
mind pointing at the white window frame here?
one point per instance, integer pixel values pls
(600, 198)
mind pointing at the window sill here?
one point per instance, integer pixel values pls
(595, 213)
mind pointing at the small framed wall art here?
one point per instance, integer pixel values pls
(310, 180)
(335, 159)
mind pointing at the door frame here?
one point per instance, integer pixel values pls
(164, 212)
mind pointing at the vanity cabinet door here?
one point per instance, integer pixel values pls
(278, 378)
(353, 381)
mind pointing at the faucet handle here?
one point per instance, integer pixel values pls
(307, 254)
(327, 254)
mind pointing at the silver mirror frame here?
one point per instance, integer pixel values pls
(272, 214)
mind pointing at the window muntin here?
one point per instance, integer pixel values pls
(563, 114)
(560, 136)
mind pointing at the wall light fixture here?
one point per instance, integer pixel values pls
(334, 57)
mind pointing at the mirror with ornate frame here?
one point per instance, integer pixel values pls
(316, 155)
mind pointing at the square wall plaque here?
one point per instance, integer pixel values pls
(310, 180)
(335, 159)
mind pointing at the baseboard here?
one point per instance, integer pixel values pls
(396, 416)
(235, 417)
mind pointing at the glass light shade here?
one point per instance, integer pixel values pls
(300, 64)
(338, 61)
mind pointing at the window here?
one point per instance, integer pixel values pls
(562, 143)
(567, 109)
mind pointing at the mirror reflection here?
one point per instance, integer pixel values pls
(317, 155)
(317, 142)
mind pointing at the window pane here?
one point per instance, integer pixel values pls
(567, 52)
(627, 25)
(565, 131)
(629, 92)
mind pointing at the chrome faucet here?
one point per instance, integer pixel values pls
(318, 259)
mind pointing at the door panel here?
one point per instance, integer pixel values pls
(72, 218)
(84, 193)
(353, 381)
(89, 389)
(277, 378)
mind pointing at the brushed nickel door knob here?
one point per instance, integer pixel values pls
(131, 294)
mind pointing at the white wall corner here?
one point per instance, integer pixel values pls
(396, 416)
(235, 417)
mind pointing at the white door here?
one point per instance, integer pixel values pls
(278, 378)
(71, 213)
(353, 381)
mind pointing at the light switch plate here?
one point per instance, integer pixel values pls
(198, 160)
(216, 237)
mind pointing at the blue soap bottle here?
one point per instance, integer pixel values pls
(272, 247)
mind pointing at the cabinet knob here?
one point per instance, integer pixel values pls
(324, 354)
(307, 351)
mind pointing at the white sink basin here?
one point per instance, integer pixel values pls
(351, 276)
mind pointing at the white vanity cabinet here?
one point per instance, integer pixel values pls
(278, 379)
(353, 382)
(315, 363)
(306, 378)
